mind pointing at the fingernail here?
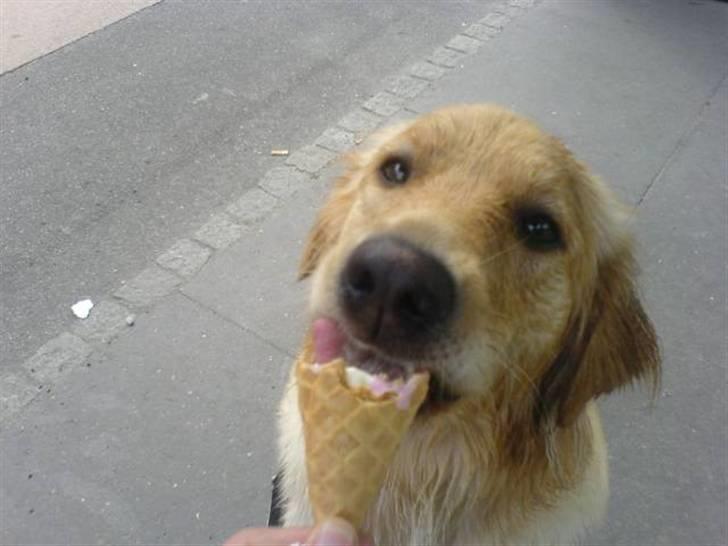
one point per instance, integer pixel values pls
(334, 532)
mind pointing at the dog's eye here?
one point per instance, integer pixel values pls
(395, 170)
(539, 231)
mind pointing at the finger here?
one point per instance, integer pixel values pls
(269, 536)
(333, 532)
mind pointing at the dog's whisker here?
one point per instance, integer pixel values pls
(506, 250)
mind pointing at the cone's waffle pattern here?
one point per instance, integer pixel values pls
(350, 440)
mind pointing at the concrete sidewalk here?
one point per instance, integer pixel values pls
(163, 432)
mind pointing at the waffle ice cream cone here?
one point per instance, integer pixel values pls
(351, 437)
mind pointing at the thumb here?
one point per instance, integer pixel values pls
(333, 532)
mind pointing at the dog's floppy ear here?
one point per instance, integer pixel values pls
(328, 224)
(610, 341)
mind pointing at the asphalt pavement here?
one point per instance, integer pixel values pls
(120, 143)
(153, 421)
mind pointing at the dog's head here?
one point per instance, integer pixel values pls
(471, 244)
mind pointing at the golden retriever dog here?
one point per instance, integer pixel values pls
(471, 244)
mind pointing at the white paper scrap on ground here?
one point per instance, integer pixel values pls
(82, 308)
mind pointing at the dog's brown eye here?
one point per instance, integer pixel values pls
(395, 170)
(539, 231)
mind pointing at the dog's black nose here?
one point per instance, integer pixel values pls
(392, 291)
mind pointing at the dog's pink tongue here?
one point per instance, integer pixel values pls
(328, 340)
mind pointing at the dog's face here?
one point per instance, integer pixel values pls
(471, 244)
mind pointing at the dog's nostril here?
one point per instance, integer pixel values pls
(361, 281)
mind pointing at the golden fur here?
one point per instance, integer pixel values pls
(519, 458)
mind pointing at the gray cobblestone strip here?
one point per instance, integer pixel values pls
(219, 231)
(106, 321)
(311, 159)
(495, 20)
(147, 287)
(406, 86)
(446, 57)
(427, 71)
(336, 140)
(464, 44)
(57, 356)
(384, 104)
(187, 256)
(256, 203)
(481, 32)
(360, 121)
(511, 11)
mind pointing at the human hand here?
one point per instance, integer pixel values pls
(332, 532)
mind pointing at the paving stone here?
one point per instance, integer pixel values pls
(406, 86)
(446, 57)
(185, 257)
(427, 71)
(147, 287)
(495, 20)
(481, 32)
(311, 158)
(384, 103)
(57, 356)
(105, 322)
(336, 140)
(465, 44)
(219, 231)
(510, 11)
(360, 121)
(256, 204)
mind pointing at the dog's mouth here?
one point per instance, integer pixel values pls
(331, 341)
